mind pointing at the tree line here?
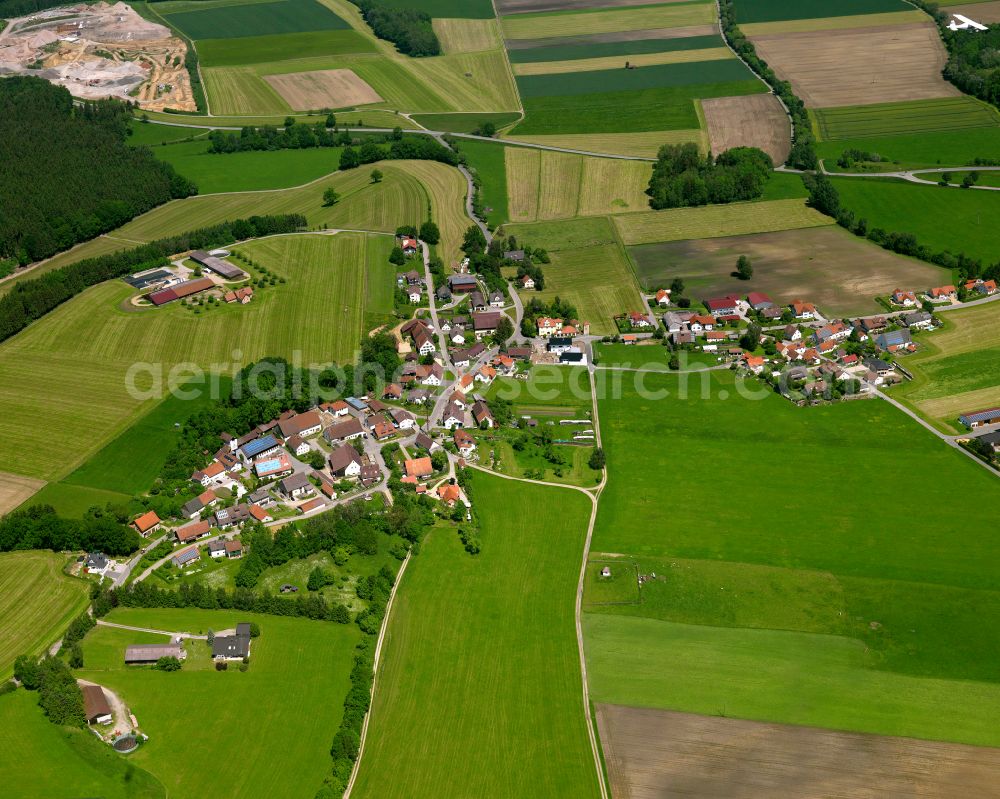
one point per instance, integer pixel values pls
(68, 173)
(38, 527)
(682, 176)
(803, 152)
(410, 29)
(824, 197)
(32, 299)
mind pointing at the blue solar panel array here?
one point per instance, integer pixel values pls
(259, 445)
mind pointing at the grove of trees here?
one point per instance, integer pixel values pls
(683, 176)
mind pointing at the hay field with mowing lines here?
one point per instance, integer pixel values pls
(15, 489)
(549, 185)
(640, 145)
(755, 120)
(467, 35)
(858, 67)
(329, 88)
(885, 20)
(544, 25)
(915, 150)
(589, 269)
(710, 221)
(603, 45)
(919, 116)
(466, 709)
(776, 10)
(37, 602)
(957, 368)
(240, 90)
(266, 49)
(616, 62)
(92, 342)
(296, 667)
(841, 273)
(466, 81)
(655, 753)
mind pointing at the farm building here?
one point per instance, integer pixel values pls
(186, 289)
(139, 654)
(974, 419)
(144, 280)
(261, 447)
(277, 466)
(193, 531)
(95, 705)
(146, 523)
(217, 265)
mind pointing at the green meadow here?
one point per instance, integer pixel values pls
(774, 10)
(914, 116)
(593, 47)
(448, 9)
(942, 218)
(488, 162)
(216, 732)
(264, 49)
(919, 150)
(465, 123)
(464, 705)
(214, 20)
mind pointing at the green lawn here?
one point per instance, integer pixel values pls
(251, 170)
(478, 692)
(488, 162)
(37, 602)
(142, 133)
(465, 123)
(553, 391)
(773, 10)
(915, 150)
(941, 218)
(38, 758)
(771, 675)
(73, 501)
(216, 733)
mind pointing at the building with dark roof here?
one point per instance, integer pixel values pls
(217, 265)
(141, 654)
(233, 647)
(95, 705)
(260, 447)
(181, 290)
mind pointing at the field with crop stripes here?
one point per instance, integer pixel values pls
(919, 116)
(641, 145)
(94, 340)
(212, 20)
(710, 221)
(37, 601)
(239, 90)
(669, 15)
(265, 49)
(773, 10)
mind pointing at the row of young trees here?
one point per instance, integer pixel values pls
(682, 176)
(31, 299)
(824, 197)
(67, 172)
(410, 29)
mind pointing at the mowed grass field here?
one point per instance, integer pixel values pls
(94, 342)
(489, 162)
(614, 20)
(710, 221)
(827, 265)
(824, 609)
(957, 368)
(917, 150)
(917, 116)
(550, 185)
(594, 275)
(942, 218)
(293, 693)
(466, 708)
(218, 19)
(37, 602)
(38, 758)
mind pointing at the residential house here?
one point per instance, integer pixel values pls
(425, 442)
(345, 462)
(347, 430)
(849, 359)
(192, 532)
(452, 417)
(449, 493)
(209, 474)
(419, 468)
(297, 445)
(236, 516)
(273, 467)
(417, 396)
(443, 293)
(233, 647)
(504, 364)
(943, 294)
(382, 429)
(403, 419)
(423, 341)
(894, 340)
(186, 556)
(675, 321)
(548, 326)
(234, 549)
(296, 486)
(462, 284)
(792, 333)
(414, 294)
(485, 324)
(629, 339)
(477, 302)
(527, 282)
(370, 472)
(408, 245)
(517, 256)
(430, 375)
(412, 278)
(217, 549)
(682, 338)
(755, 363)
(723, 306)
(974, 419)
(193, 508)
(339, 408)
(638, 321)
(919, 320)
(465, 443)
(574, 355)
(698, 323)
(992, 440)
(834, 331)
(393, 391)
(879, 367)
(146, 523)
(261, 497)
(482, 415)
(873, 324)
(907, 299)
(663, 298)
(497, 299)
(758, 300)
(97, 563)
(519, 353)
(772, 314)
(558, 344)
(803, 310)
(241, 295)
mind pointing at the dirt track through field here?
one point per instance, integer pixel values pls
(754, 120)
(651, 754)
(622, 36)
(860, 66)
(328, 88)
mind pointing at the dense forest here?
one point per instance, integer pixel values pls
(683, 176)
(67, 174)
(20, 8)
(407, 28)
(31, 299)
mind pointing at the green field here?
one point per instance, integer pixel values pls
(93, 341)
(558, 392)
(449, 9)
(37, 602)
(593, 47)
(916, 116)
(775, 10)
(281, 46)
(909, 208)
(213, 20)
(465, 123)
(488, 162)
(900, 613)
(463, 707)
(38, 758)
(213, 732)
(369, 117)
(155, 135)
(663, 108)
(916, 150)
(253, 170)
(547, 24)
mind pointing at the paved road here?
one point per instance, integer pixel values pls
(910, 175)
